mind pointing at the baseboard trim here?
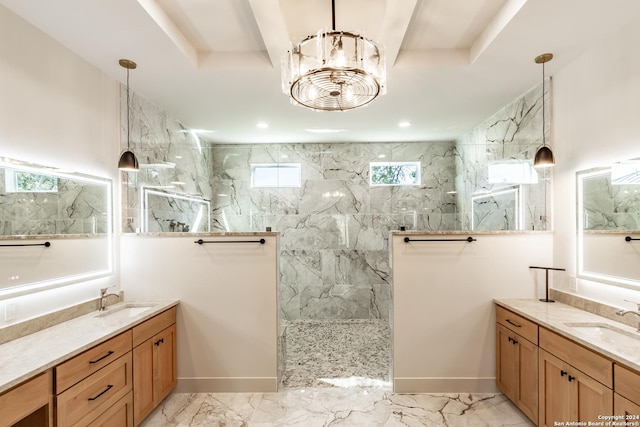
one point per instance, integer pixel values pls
(444, 385)
(227, 385)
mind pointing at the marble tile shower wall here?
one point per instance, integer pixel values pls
(173, 182)
(334, 260)
(512, 134)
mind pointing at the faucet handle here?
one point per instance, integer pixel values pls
(634, 302)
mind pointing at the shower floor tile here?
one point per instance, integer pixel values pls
(337, 353)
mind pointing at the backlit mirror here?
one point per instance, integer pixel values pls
(55, 226)
(608, 208)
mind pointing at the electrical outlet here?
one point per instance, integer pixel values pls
(10, 311)
(573, 286)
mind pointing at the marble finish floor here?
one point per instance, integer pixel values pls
(323, 407)
(326, 353)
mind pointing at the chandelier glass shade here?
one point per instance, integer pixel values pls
(334, 71)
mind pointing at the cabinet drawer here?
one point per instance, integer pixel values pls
(153, 326)
(592, 364)
(627, 383)
(25, 398)
(85, 364)
(523, 327)
(119, 415)
(92, 396)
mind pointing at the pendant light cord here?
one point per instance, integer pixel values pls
(333, 15)
(544, 141)
(128, 112)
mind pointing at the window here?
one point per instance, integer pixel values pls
(28, 182)
(515, 172)
(394, 173)
(275, 175)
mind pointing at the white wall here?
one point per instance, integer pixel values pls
(443, 311)
(55, 110)
(227, 317)
(595, 122)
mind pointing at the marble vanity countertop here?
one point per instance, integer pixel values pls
(558, 316)
(30, 355)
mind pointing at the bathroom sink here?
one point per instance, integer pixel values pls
(124, 311)
(606, 334)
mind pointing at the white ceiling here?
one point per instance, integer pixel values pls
(215, 64)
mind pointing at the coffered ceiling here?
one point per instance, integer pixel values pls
(215, 64)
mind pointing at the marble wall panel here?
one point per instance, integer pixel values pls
(515, 133)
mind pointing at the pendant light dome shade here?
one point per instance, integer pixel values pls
(128, 161)
(544, 156)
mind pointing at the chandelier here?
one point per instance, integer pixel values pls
(334, 70)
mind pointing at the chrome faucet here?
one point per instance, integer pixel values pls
(103, 298)
(637, 313)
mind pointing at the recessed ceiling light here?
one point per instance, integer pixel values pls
(325, 130)
(404, 124)
(382, 156)
(262, 125)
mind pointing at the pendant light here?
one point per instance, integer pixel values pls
(544, 156)
(128, 161)
(334, 70)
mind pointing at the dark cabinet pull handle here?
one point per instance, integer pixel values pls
(563, 373)
(515, 342)
(160, 341)
(102, 392)
(510, 339)
(571, 378)
(514, 324)
(102, 358)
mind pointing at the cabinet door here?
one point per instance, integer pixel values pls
(143, 380)
(566, 394)
(625, 408)
(154, 372)
(517, 370)
(593, 399)
(165, 364)
(554, 391)
(506, 363)
(527, 377)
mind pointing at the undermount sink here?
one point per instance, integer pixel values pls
(605, 333)
(124, 311)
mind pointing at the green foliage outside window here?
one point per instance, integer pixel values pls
(400, 173)
(31, 182)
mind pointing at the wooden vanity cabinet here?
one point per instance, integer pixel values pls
(567, 393)
(92, 383)
(576, 384)
(517, 360)
(626, 399)
(154, 363)
(30, 403)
